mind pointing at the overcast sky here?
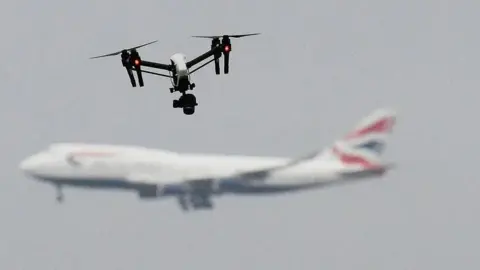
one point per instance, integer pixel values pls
(317, 68)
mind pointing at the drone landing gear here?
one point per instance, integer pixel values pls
(190, 87)
(187, 102)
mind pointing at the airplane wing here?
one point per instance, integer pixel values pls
(193, 193)
(261, 174)
(203, 189)
(198, 192)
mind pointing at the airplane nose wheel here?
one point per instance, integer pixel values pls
(187, 102)
(59, 197)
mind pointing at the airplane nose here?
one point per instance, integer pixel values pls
(30, 164)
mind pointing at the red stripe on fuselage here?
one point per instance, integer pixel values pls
(92, 154)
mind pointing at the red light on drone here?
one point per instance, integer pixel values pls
(227, 48)
(137, 62)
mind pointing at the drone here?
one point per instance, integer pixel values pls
(179, 68)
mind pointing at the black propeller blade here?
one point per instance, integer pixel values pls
(130, 58)
(232, 36)
(124, 50)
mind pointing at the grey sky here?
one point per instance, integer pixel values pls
(319, 66)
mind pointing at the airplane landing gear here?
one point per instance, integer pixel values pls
(187, 102)
(59, 197)
(194, 202)
(182, 200)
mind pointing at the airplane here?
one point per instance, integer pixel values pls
(179, 68)
(195, 179)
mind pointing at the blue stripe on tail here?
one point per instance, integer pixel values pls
(372, 145)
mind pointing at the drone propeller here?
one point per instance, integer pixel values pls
(124, 50)
(232, 36)
(131, 61)
(226, 48)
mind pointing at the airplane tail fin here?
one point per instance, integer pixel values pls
(365, 144)
(358, 153)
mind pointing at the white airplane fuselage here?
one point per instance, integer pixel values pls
(159, 173)
(128, 167)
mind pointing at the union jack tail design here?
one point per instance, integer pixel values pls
(364, 145)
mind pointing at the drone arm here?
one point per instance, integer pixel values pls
(156, 65)
(191, 72)
(154, 73)
(191, 63)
